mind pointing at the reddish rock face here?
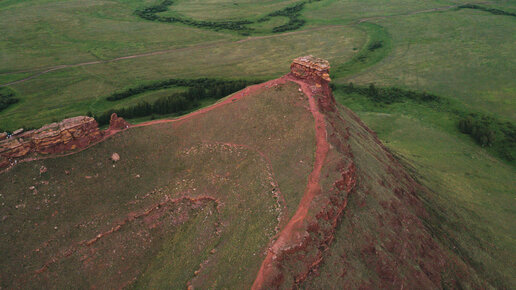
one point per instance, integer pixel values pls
(315, 71)
(311, 68)
(117, 123)
(66, 135)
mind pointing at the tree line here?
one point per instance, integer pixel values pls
(487, 131)
(388, 95)
(292, 12)
(198, 90)
(7, 98)
(487, 9)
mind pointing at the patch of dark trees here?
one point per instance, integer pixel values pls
(487, 9)
(292, 12)
(198, 89)
(487, 131)
(388, 95)
(375, 45)
(150, 13)
(7, 98)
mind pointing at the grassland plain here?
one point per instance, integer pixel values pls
(466, 54)
(84, 194)
(79, 90)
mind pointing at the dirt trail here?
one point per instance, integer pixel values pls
(291, 233)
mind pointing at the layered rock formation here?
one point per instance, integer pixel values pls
(316, 72)
(311, 68)
(69, 134)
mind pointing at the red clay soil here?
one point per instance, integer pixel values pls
(290, 235)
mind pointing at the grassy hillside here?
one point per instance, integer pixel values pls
(471, 192)
(252, 169)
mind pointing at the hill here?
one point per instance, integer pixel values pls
(276, 185)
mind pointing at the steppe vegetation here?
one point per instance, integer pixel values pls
(435, 80)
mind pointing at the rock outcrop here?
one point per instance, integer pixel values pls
(316, 72)
(311, 68)
(117, 123)
(69, 134)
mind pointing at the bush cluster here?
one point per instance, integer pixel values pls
(199, 89)
(222, 85)
(389, 95)
(487, 9)
(7, 98)
(488, 131)
(150, 13)
(292, 12)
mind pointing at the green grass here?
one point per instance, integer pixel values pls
(217, 10)
(471, 194)
(467, 54)
(377, 47)
(75, 91)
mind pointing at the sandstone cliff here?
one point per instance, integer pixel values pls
(66, 135)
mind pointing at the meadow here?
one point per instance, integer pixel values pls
(467, 56)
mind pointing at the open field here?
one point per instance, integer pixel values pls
(467, 54)
(75, 91)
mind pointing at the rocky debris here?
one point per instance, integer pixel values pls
(316, 73)
(42, 169)
(69, 134)
(3, 135)
(115, 157)
(117, 123)
(17, 132)
(311, 68)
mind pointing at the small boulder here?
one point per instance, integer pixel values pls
(115, 157)
(42, 169)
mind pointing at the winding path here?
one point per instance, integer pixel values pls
(290, 235)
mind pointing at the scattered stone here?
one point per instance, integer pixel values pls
(137, 176)
(115, 157)
(213, 251)
(42, 169)
(17, 132)
(67, 172)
